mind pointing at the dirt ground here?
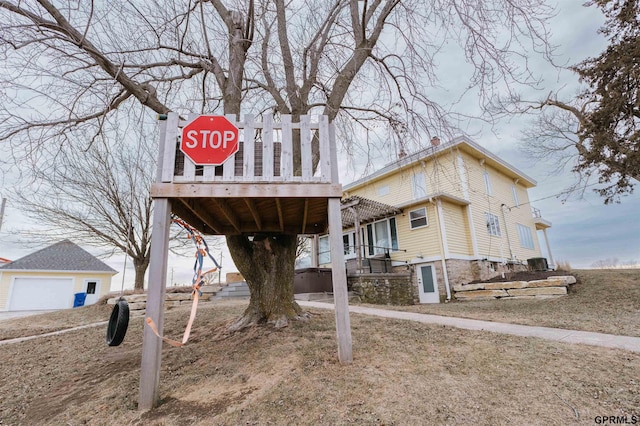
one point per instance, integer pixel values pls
(403, 374)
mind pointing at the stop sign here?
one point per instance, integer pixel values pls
(209, 140)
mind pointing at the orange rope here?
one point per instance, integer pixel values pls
(201, 250)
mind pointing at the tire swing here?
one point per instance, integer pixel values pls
(118, 323)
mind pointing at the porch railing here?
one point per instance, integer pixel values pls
(266, 152)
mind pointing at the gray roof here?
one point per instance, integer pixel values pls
(62, 256)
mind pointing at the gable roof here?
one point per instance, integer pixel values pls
(62, 256)
(460, 142)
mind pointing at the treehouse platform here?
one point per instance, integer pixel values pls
(282, 180)
(268, 186)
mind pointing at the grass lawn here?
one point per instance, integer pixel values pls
(605, 301)
(403, 373)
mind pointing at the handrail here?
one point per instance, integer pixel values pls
(269, 139)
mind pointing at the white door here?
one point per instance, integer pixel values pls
(427, 285)
(29, 294)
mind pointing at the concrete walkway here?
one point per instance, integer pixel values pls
(558, 334)
(628, 343)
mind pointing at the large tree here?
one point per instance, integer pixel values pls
(355, 61)
(597, 132)
(96, 193)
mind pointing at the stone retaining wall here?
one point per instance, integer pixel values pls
(554, 286)
(384, 289)
(138, 302)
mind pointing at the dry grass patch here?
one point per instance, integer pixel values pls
(605, 301)
(53, 321)
(403, 373)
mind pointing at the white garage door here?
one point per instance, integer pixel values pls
(41, 293)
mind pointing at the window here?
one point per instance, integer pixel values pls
(382, 236)
(324, 254)
(493, 224)
(383, 190)
(418, 218)
(514, 192)
(526, 239)
(419, 186)
(91, 287)
(487, 183)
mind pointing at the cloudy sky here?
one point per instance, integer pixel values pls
(584, 229)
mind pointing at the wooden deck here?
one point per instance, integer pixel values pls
(247, 195)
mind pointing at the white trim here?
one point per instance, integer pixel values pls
(491, 220)
(48, 271)
(445, 248)
(514, 194)
(416, 260)
(430, 198)
(426, 217)
(92, 298)
(443, 231)
(487, 183)
(552, 263)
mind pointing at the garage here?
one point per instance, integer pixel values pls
(41, 293)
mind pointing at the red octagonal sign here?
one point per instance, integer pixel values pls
(209, 140)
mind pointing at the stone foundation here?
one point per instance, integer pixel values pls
(384, 289)
(464, 271)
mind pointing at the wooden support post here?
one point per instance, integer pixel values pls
(151, 344)
(338, 270)
(339, 275)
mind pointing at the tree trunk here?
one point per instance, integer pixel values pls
(267, 264)
(140, 266)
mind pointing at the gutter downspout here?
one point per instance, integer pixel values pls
(442, 235)
(506, 231)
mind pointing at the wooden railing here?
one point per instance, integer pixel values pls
(259, 140)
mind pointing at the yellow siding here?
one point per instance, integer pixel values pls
(422, 241)
(457, 229)
(5, 284)
(481, 202)
(439, 176)
(459, 174)
(6, 279)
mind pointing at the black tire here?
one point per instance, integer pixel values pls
(118, 323)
